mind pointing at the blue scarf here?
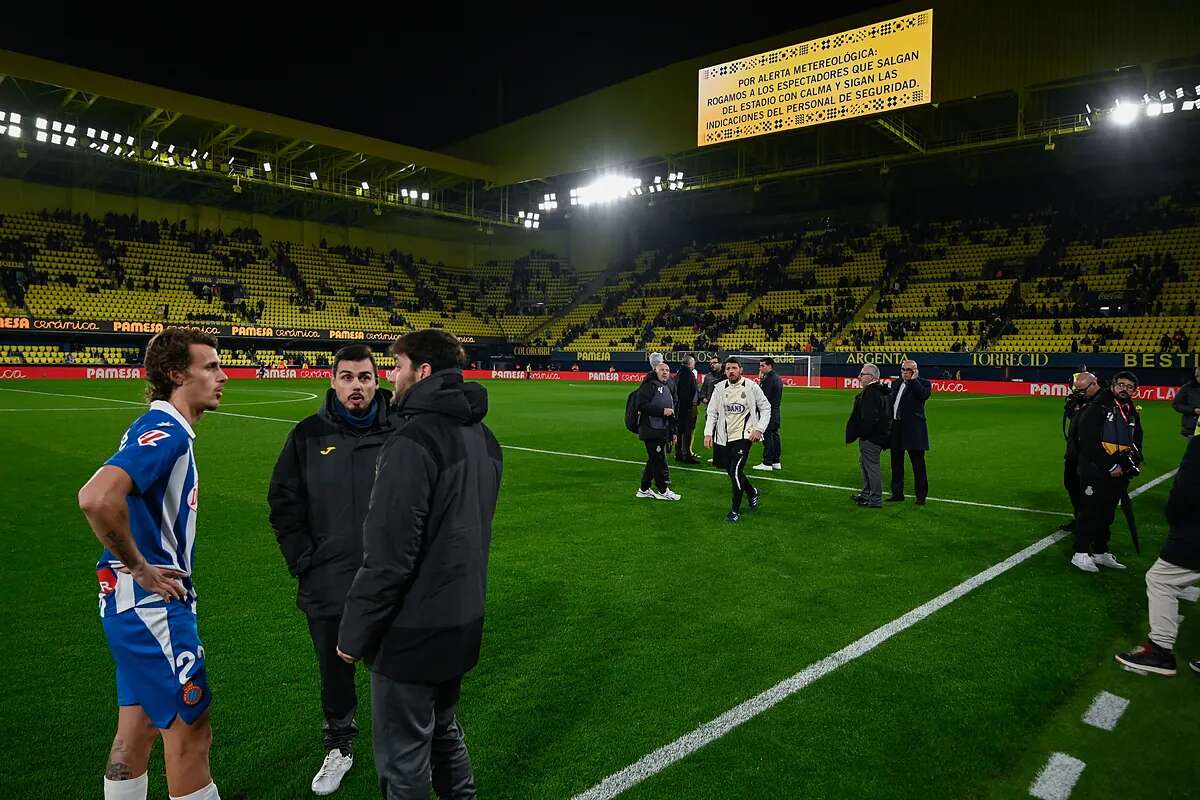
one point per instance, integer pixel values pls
(359, 423)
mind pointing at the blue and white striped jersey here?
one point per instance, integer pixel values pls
(156, 452)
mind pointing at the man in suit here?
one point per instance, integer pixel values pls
(909, 432)
(689, 396)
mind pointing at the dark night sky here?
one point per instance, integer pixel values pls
(425, 83)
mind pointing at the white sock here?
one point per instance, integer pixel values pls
(207, 793)
(132, 789)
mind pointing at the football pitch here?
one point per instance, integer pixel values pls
(618, 628)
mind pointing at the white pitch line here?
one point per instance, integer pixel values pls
(684, 746)
(1057, 778)
(782, 480)
(1105, 711)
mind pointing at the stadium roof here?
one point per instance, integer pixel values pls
(361, 167)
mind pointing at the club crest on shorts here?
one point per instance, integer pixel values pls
(192, 694)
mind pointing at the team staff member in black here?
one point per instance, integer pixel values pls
(1187, 403)
(1085, 388)
(909, 431)
(1108, 439)
(716, 374)
(656, 405)
(415, 609)
(772, 386)
(319, 495)
(688, 395)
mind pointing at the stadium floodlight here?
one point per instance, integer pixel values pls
(1124, 114)
(56, 126)
(312, 176)
(154, 144)
(2, 116)
(553, 196)
(104, 136)
(69, 128)
(541, 206)
(404, 194)
(231, 160)
(424, 197)
(536, 224)
(1153, 109)
(14, 117)
(42, 136)
(104, 148)
(366, 186)
(537, 216)
(129, 141)
(671, 177)
(1179, 92)
(56, 138)
(171, 160)
(93, 146)
(119, 150)
(574, 193)
(1162, 95)
(605, 190)
(1189, 105)
(205, 156)
(266, 166)
(71, 141)
(658, 178)
(195, 152)
(41, 123)
(520, 215)
(1168, 108)
(195, 165)
(1145, 97)
(529, 223)
(91, 132)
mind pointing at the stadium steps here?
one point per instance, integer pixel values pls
(587, 293)
(859, 315)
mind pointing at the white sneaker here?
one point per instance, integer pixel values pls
(645, 493)
(1084, 562)
(763, 467)
(1107, 560)
(329, 777)
(777, 466)
(667, 495)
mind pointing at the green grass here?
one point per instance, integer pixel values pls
(616, 625)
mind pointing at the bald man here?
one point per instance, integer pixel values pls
(1083, 389)
(910, 434)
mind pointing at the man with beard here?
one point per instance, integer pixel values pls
(319, 495)
(738, 415)
(1108, 440)
(1085, 388)
(415, 609)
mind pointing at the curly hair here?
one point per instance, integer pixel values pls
(167, 352)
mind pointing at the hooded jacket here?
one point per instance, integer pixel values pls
(415, 609)
(318, 497)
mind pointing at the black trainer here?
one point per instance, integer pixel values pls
(732, 516)
(858, 498)
(1067, 526)
(896, 499)
(920, 501)
(754, 502)
(1148, 658)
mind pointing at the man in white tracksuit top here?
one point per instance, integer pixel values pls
(738, 415)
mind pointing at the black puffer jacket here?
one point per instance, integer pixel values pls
(653, 398)
(319, 494)
(871, 418)
(1187, 400)
(1103, 433)
(415, 610)
(1182, 547)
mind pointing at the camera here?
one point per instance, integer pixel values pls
(1130, 462)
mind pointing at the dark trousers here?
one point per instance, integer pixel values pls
(1071, 481)
(687, 427)
(738, 452)
(772, 444)
(656, 465)
(917, 457)
(338, 698)
(418, 741)
(1098, 501)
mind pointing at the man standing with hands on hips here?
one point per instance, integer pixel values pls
(909, 432)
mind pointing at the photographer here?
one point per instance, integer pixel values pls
(1108, 442)
(1085, 388)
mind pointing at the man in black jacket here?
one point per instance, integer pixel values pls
(1108, 440)
(688, 395)
(657, 405)
(716, 374)
(415, 609)
(870, 424)
(1085, 388)
(909, 431)
(1187, 403)
(318, 496)
(1177, 569)
(772, 386)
